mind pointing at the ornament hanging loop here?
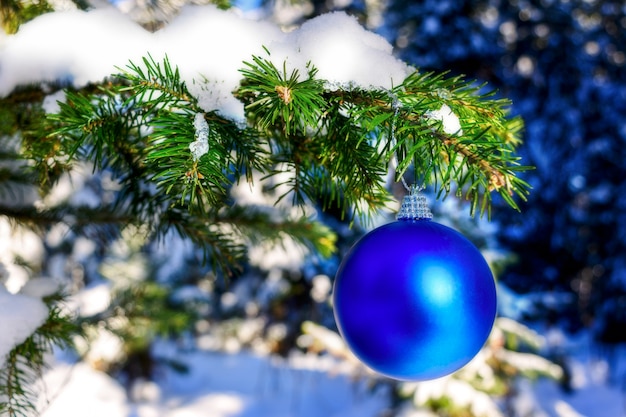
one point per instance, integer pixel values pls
(414, 206)
(395, 105)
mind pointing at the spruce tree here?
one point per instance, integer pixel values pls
(165, 167)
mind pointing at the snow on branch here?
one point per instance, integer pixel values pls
(21, 316)
(78, 48)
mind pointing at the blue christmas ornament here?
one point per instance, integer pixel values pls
(414, 299)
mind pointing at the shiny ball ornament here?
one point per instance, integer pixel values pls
(414, 299)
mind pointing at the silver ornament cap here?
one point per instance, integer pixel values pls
(414, 206)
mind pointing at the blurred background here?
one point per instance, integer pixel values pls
(184, 342)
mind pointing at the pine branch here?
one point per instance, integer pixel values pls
(83, 220)
(25, 363)
(350, 154)
(482, 159)
(157, 85)
(309, 137)
(204, 180)
(141, 126)
(335, 144)
(221, 249)
(279, 95)
(24, 146)
(262, 224)
(479, 161)
(312, 138)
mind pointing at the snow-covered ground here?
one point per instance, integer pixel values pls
(245, 385)
(217, 385)
(598, 387)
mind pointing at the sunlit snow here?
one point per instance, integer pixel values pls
(450, 121)
(200, 146)
(207, 44)
(21, 316)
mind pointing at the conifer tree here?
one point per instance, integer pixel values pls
(171, 166)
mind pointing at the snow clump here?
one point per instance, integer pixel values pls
(208, 45)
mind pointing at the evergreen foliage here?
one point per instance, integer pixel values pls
(174, 164)
(25, 363)
(562, 64)
(297, 126)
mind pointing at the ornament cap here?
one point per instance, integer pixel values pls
(414, 206)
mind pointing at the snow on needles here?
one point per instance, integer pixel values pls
(345, 53)
(207, 44)
(21, 316)
(200, 146)
(450, 121)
